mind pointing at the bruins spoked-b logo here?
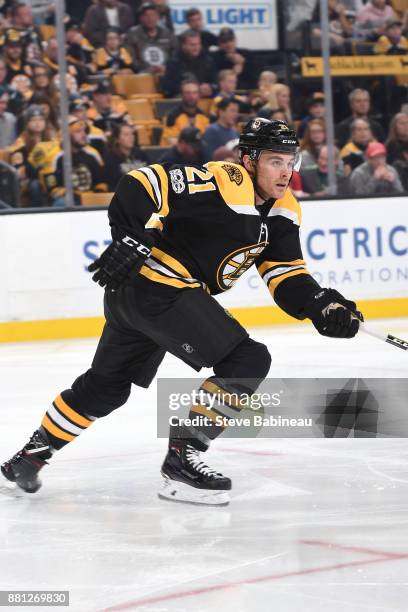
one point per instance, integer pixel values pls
(238, 262)
(234, 173)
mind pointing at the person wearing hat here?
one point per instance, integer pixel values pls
(150, 43)
(8, 122)
(104, 14)
(113, 58)
(87, 166)
(78, 107)
(187, 150)
(392, 42)
(182, 234)
(316, 110)
(104, 111)
(375, 176)
(35, 131)
(230, 57)
(13, 52)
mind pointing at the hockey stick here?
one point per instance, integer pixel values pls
(402, 344)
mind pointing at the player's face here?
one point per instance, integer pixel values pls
(274, 171)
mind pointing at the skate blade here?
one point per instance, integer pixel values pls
(184, 493)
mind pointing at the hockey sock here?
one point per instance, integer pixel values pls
(218, 400)
(62, 423)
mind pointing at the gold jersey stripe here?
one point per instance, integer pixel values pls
(166, 280)
(142, 178)
(274, 282)
(56, 431)
(171, 262)
(71, 414)
(164, 188)
(221, 393)
(198, 409)
(267, 265)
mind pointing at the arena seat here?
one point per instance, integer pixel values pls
(90, 198)
(128, 84)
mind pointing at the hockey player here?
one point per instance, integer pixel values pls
(181, 234)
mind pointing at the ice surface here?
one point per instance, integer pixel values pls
(313, 526)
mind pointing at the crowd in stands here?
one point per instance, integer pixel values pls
(140, 94)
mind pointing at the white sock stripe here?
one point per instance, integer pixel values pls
(63, 422)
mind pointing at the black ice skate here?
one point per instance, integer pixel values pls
(23, 467)
(188, 479)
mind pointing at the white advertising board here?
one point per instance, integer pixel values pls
(359, 247)
(254, 22)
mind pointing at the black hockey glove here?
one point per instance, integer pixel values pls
(333, 315)
(122, 259)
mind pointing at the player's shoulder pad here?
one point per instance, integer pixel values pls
(233, 182)
(288, 207)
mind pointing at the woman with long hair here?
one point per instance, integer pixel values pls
(35, 131)
(123, 154)
(279, 97)
(313, 140)
(397, 138)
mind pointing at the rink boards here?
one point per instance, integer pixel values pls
(359, 247)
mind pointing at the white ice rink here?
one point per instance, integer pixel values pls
(313, 526)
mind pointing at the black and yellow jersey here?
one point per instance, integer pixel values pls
(109, 63)
(177, 119)
(208, 231)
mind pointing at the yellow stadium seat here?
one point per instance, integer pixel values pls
(46, 31)
(128, 84)
(90, 198)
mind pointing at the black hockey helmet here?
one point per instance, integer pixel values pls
(262, 134)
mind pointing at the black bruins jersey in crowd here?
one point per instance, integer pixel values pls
(209, 231)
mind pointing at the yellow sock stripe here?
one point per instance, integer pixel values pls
(142, 178)
(274, 282)
(56, 431)
(266, 265)
(71, 414)
(198, 409)
(225, 397)
(166, 280)
(164, 188)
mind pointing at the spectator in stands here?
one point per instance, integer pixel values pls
(314, 139)
(279, 98)
(359, 100)
(113, 58)
(372, 17)
(14, 55)
(106, 112)
(87, 166)
(35, 131)
(229, 56)
(224, 154)
(397, 137)
(266, 79)
(315, 180)
(401, 166)
(16, 100)
(49, 111)
(78, 107)
(392, 42)
(150, 43)
(22, 84)
(50, 59)
(21, 18)
(165, 14)
(227, 85)
(7, 120)
(224, 129)
(122, 155)
(41, 82)
(104, 14)
(188, 150)
(352, 154)
(375, 176)
(195, 22)
(79, 50)
(187, 113)
(340, 28)
(191, 60)
(316, 110)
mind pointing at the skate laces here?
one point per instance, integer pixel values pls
(193, 457)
